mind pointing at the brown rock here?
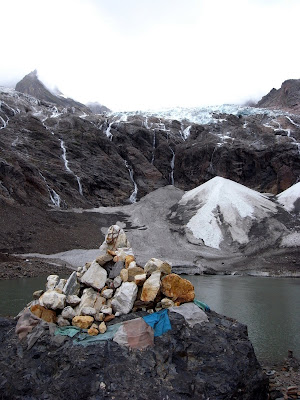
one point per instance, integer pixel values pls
(178, 289)
(104, 258)
(109, 318)
(132, 272)
(93, 332)
(128, 260)
(140, 279)
(83, 322)
(292, 391)
(43, 313)
(139, 304)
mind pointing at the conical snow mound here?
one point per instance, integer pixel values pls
(289, 197)
(220, 207)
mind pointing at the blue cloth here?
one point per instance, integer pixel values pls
(159, 321)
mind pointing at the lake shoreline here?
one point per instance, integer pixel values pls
(14, 267)
(24, 266)
(282, 376)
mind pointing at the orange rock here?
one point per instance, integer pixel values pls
(43, 313)
(128, 260)
(83, 322)
(178, 289)
(93, 332)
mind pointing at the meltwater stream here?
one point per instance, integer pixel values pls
(269, 306)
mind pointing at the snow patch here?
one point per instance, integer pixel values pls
(291, 240)
(289, 197)
(223, 203)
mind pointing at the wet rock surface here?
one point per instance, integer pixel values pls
(214, 360)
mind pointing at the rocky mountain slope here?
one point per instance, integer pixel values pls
(68, 157)
(32, 86)
(286, 98)
(55, 158)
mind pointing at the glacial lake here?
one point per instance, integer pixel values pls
(270, 307)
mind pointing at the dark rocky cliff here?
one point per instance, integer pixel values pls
(287, 97)
(214, 360)
(46, 149)
(32, 86)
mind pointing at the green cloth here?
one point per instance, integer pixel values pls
(83, 338)
(202, 305)
(70, 331)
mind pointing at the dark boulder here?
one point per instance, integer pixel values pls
(214, 360)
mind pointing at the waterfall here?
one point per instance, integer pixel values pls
(153, 146)
(66, 162)
(54, 197)
(186, 132)
(79, 185)
(133, 196)
(108, 132)
(172, 166)
(64, 155)
(4, 123)
(147, 126)
(211, 167)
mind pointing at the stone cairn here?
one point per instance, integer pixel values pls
(110, 286)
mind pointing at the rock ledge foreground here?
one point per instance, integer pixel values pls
(163, 345)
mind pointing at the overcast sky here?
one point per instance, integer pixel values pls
(139, 54)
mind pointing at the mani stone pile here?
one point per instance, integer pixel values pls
(110, 286)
